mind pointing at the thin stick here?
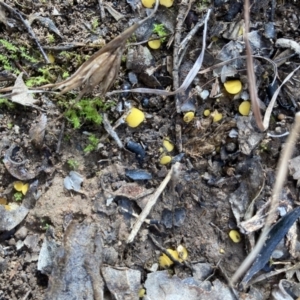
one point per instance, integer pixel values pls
(111, 131)
(61, 134)
(151, 202)
(102, 11)
(250, 71)
(274, 273)
(281, 173)
(177, 38)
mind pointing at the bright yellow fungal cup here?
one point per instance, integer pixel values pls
(142, 293)
(244, 108)
(166, 159)
(188, 117)
(148, 3)
(217, 116)
(135, 117)
(154, 44)
(182, 253)
(233, 86)
(165, 261)
(21, 187)
(206, 113)
(235, 236)
(168, 145)
(166, 3)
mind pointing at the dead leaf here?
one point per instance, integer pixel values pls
(37, 131)
(102, 68)
(21, 94)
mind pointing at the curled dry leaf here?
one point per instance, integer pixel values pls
(21, 94)
(37, 131)
(102, 68)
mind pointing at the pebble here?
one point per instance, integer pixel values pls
(21, 233)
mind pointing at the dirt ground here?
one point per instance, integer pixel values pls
(54, 243)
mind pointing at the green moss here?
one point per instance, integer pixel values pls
(92, 145)
(73, 164)
(8, 46)
(160, 30)
(18, 196)
(6, 103)
(50, 38)
(95, 23)
(65, 74)
(86, 110)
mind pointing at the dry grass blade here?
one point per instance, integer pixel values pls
(102, 67)
(272, 102)
(250, 71)
(280, 178)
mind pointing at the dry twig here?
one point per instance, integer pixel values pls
(151, 202)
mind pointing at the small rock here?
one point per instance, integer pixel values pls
(12, 242)
(31, 242)
(110, 256)
(21, 233)
(202, 271)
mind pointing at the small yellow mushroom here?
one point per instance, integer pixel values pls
(235, 236)
(51, 58)
(21, 187)
(222, 251)
(142, 293)
(135, 117)
(166, 3)
(233, 86)
(164, 160)
(148, 3)
(188, 117)
(165, 261)
(182, 253)
(154, 44)
(206, 113)
(168, 145)
(244, 108)
(216, 116)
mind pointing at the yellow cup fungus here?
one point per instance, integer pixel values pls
(166, 3)
(216, 116)
(235, 236)
(21, 187)
(154, 44)
(165, 159)
(142, 293)
(168, 145)
(182, 253)
(233, 86)
(244, 108)
(135, 117)
(165, 261)
(206, 113)
(188, 117)
(148, 3)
